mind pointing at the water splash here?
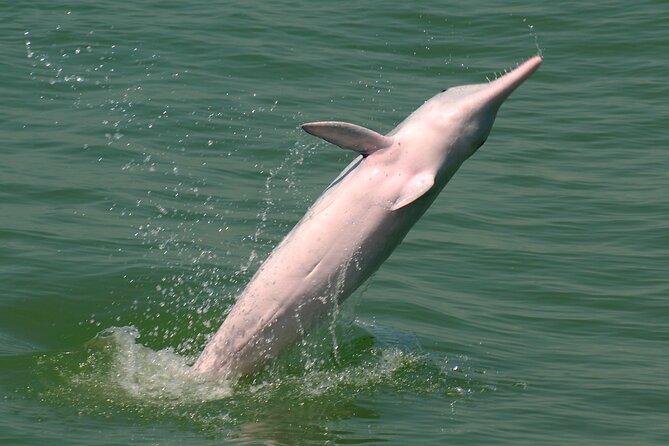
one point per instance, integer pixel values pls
(115, 371)
(117, 376)
(142, 374)
(533, 34)
(286, 171)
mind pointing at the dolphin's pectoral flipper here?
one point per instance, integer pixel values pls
(416, 188)
(349, 136)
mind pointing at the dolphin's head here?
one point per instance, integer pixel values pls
(457, 121)
(434, 140)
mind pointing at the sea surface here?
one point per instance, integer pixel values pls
(151, 157)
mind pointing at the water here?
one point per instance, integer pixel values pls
(152, 157)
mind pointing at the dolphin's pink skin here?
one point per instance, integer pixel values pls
(357, 222)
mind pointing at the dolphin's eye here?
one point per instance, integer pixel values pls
(444, 90)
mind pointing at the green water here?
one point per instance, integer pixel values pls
(151, 157)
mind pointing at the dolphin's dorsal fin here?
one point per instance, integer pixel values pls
(414, 189)
(349, 136)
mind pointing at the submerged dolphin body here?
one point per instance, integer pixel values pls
(357, 222)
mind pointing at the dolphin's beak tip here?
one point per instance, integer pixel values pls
(534, 62)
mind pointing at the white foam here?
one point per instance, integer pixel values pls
(154, 376)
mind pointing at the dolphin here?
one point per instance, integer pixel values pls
(357, 222)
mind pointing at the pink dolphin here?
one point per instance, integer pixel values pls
(357, 222)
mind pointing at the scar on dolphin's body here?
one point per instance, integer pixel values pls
(357, 222)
